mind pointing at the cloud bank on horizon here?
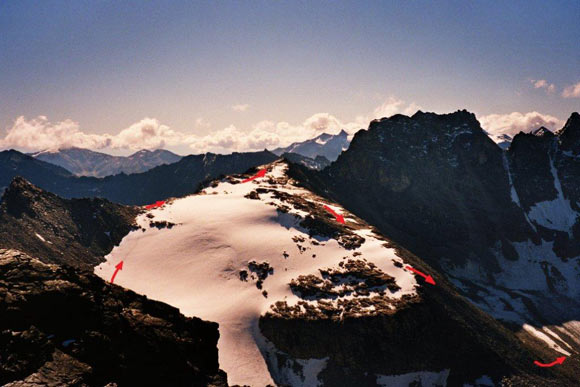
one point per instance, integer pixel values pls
(38, 134)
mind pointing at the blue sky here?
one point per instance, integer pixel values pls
(238, 75)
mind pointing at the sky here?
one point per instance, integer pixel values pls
(223, 76)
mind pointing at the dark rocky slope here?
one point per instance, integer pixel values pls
(77, 232)
(14, 163)
(177, 179)
(60, 327)
(436, 331)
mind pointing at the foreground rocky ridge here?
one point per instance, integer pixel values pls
(61, 327)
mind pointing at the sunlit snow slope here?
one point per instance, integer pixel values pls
(199, 259)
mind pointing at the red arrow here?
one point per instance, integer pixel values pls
(559, 360)
(339, 218)
(158, 203)
(261, 173)
(428, 278)
(117, 268)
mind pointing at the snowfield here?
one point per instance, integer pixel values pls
(197, 260)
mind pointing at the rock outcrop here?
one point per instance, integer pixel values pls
(59, 326)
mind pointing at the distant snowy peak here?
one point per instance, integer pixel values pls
(85, 162)
(502, 140)
(328, 145)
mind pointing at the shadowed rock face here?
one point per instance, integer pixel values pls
(61, 327)
(77, 232)
(503, 226)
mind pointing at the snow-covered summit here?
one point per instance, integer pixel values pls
(239, 250)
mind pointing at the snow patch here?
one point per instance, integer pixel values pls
(554, 214)
(483, 381)
(527, 273)
(289, 371)
(546, 339)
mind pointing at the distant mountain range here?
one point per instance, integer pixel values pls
(85, 162)
(177, 179)
(328, 145)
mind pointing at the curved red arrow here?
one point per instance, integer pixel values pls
(559, 360)
(428, 278)
(117, 268)
(339, 218)
(158, 203)
(260, 173)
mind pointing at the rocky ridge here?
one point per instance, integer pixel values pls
(76, 232)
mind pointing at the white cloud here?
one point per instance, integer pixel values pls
(543, 84)
(572, 91)
(40, 134)
(513, 123)
(539, 83)
(148, 133)
(240, 107)
(270, 134)
(202, 123)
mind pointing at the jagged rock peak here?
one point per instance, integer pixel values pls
(22, 196)
(20, 183)
(572, 124)
(570, 134)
